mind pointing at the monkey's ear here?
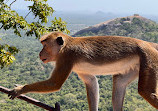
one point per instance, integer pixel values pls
(60, 41)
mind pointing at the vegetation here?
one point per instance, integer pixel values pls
(10, 19)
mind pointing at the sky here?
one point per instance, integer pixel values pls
(149, 7)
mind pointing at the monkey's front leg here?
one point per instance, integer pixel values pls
(38, 87)
(92, 88)
(54, 83)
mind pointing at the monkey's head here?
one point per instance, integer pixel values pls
(52, 44)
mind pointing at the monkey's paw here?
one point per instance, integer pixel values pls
(15, 92)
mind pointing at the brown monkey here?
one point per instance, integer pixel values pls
(123, 57)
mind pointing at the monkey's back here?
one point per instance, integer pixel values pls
(101, 49)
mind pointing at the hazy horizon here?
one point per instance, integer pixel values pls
(144, 7)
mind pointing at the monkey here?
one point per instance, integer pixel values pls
(124, 58)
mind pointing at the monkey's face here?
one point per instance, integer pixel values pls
(51, 48)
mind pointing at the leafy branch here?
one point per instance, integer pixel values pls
(6, 55)
(10, 19)
(40, 9)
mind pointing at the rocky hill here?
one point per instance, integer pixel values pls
(133, 26)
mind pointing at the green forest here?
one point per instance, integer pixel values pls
(72, 97)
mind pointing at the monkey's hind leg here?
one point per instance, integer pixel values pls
(120, 82)
(148, 86)
(148, 76)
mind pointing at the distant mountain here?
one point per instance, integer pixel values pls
(85, 17)
(100, 13)
(134, 26)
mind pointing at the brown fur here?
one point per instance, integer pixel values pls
(97, 51)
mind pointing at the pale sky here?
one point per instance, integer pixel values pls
(149, 7)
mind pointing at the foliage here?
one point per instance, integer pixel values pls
(40, 9)
(10, 19)
(6, 54)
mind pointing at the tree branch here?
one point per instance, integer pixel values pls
(12, 3)
(33, 101)
(27, 15)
